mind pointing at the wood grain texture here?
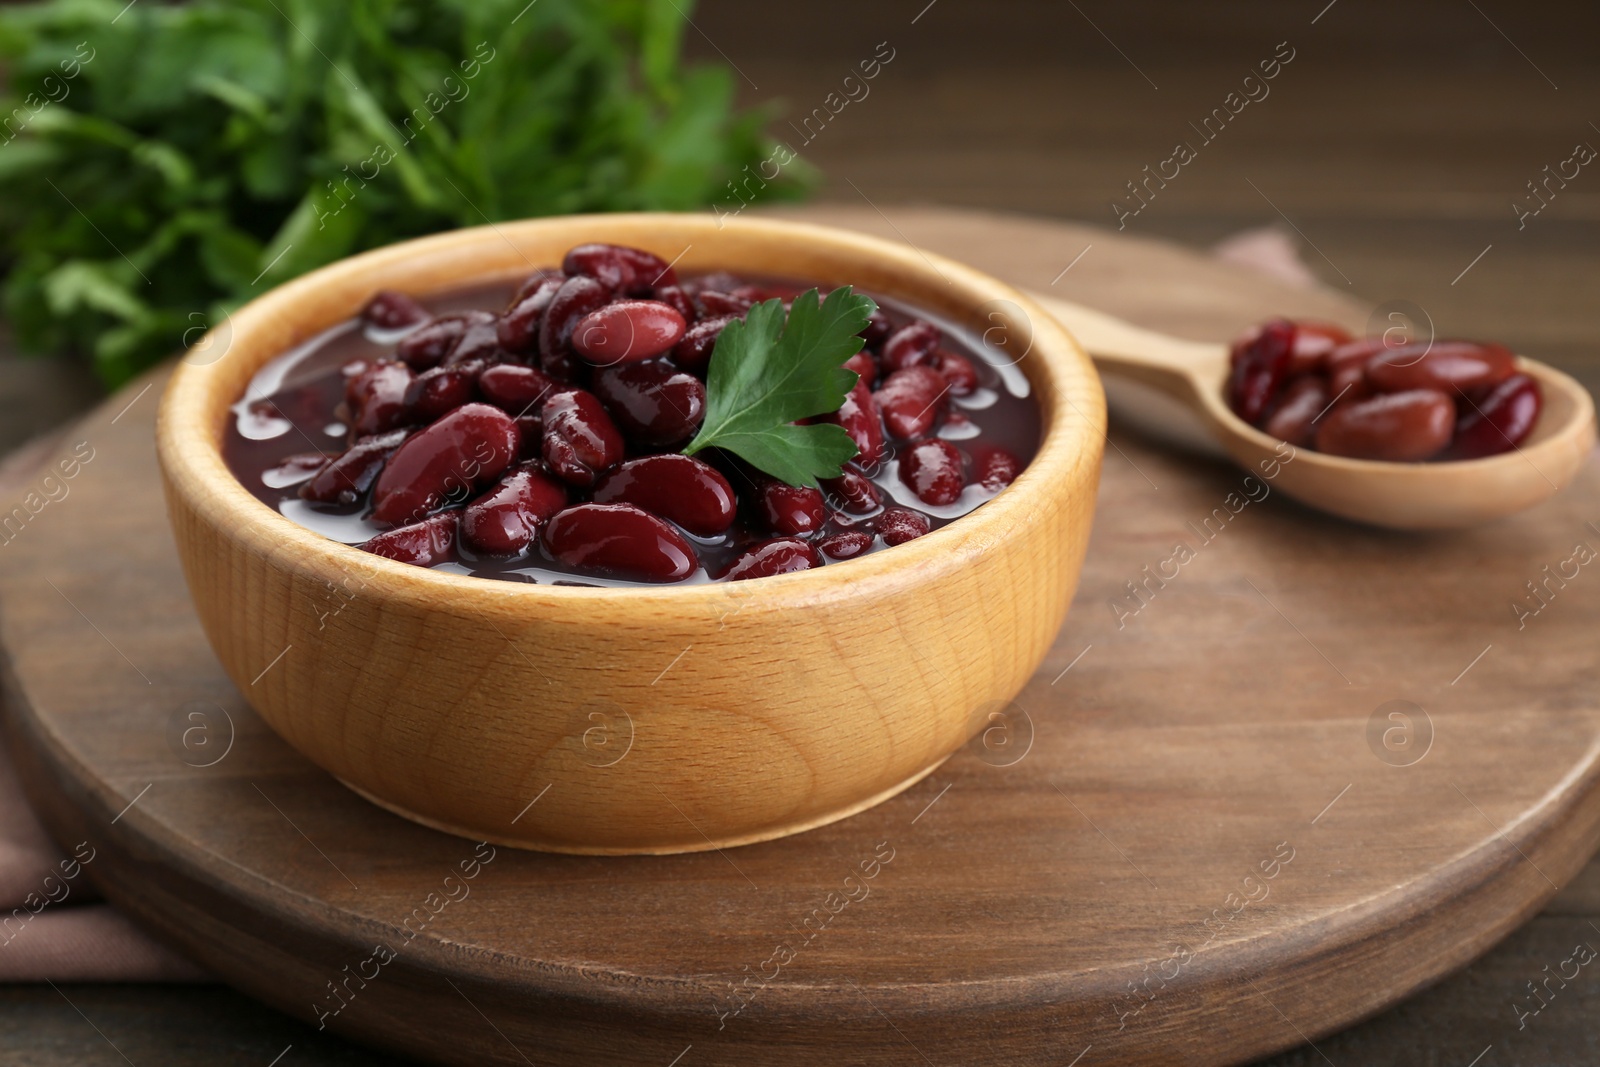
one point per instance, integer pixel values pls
(1044, 109)
(652, 719)
(1225, 719)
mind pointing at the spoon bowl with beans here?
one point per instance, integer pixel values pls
(1427, 435)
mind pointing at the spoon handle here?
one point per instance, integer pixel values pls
(1172, 365)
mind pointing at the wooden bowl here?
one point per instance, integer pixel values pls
(632, 720)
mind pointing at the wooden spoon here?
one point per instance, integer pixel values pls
(1408, 496)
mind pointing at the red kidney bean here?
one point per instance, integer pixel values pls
(422, 544)
(997, 468)
(1349, 383)
(679, 488)
(515, 388)
(1258, 369)
(693, 353)
(1450, 366)
(619, 268)
(466, 448)
(533, 283)
(506, 519)
(877, 329)
(351, 474)
(580, 440)
(911, 400)
(434, 393)
(619, 540)
(518, 329)
(1313, 343)
(575, 299)
(1301, 401)
(602, 262)
(653, 402)
(677, 298)
(426, 346)
(858, 417)
(480, 344)
(1316, 338)
(957, 370)
(389, 310)
(649, 269)
(852, 492)
(932, 470)
(864, 366)
(846, 544)
(377, 398)
(898, 525)
(1359, 349)
(911, 346)
(712, 302)
(1498, 420)
(1398, 427)
(1346, 368)
(791, 510)
(1308, 348)
(780, 555)
(626, 331)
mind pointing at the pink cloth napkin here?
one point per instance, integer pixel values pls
(54, 927)
(1268, 250)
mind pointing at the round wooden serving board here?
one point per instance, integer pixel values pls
(1200, 837)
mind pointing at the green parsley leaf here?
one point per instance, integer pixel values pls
(766, 373)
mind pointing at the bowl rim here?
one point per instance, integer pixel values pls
(1062, 380)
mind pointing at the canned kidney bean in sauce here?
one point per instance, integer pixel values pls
(515, 446)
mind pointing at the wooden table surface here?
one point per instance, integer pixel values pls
(1392, 148)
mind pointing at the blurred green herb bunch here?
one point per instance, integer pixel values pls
(160, 163)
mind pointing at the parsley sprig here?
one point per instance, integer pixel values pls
(161, 163)
(767, 372)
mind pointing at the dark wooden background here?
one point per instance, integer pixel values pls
(1392, 149)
